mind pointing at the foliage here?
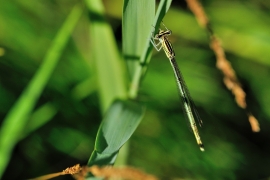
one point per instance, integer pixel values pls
(96, 64)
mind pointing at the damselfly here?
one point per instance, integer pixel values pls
(188, 105)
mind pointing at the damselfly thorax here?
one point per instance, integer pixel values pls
(162, 37)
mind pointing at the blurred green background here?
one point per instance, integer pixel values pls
(163, 144)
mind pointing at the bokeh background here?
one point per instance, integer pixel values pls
(163, 144)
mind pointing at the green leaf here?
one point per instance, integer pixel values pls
(138, 16)
(16, 119)
(119, 123)
(109, 67)
(40, 117)
(147, 48)
(47, 111)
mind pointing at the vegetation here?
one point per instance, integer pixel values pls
(76, 82)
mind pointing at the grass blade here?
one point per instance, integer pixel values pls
(145, 56)
(15, 121)
(110, 69)
(119, 123)
(136, 29)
